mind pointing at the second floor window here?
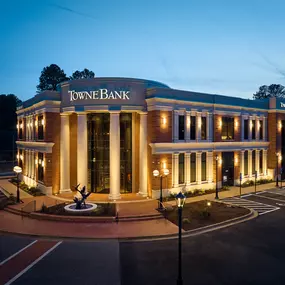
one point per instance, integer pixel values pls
(21, 125)
(193, 128)
(203, 128)
(261, 161)
(40, 167)
(261, 130)
(245, 130)
(253, 162)
(246, 162)
(204, 165)
(40, 128)
(181, 168)
(227, 128)
(193, 167)
(253, 136)
(181, 128)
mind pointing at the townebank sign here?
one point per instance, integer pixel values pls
(100, 94)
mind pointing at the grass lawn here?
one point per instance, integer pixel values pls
(102, 210)
(198, 214)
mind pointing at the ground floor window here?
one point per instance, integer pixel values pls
(204, 166)
(246, 162)
(261, 161)
(40, 166)
(193, 167)
(181, 178)
(253, 162)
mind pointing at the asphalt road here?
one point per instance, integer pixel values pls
(248, 253)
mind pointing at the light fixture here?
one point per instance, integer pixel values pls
(165, 171)
(43, 122)
(40, 161)
(280, 125)
(17, 156)
(236, 160)
(17, 126)
(155, 173)
(180, 200)
(21, 157)
(221, 123)
(21, 125)
(164, 165)
(17, 169)
(36, 123)
(36, 161)
(43, 163)
(164, 121)
(236, 123)
(209, 204)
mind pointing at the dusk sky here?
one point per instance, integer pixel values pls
(222, 46)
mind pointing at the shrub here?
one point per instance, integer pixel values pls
(186, 221)
(44, 208)
(205, 214)
(247, 183)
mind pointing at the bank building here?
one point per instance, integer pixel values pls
(110, 134)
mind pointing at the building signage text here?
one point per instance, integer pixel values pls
(101, 94)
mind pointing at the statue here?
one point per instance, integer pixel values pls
(79, 202)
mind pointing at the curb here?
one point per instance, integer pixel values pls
(251, 215)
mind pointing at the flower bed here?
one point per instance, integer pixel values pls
(34, 191)
(204, 213)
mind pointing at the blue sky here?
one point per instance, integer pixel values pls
(222, 46)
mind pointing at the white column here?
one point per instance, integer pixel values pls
(257, 161)
(250, 163)
(198, 167)
(257, 128)
(241, 169)
(115, 156)
(188, 123)
(210, 166)
(64, 153)
(250, 128)
(187, 168)
(175, 125)
(175, 157)
(264, 162)
(198, 126)
(143, 154)
(264, 128)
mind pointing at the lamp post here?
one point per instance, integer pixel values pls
(163, 173)
(18, 170)
(180, 201)
(277, 158)
(217, 194)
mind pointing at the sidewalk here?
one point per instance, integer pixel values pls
(12, 189)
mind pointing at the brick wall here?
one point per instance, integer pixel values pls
(272, 136)
(159, 132)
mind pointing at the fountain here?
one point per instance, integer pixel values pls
(80, 206)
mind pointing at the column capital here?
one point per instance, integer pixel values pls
(143, 112)
(65, 114)
(81, 113)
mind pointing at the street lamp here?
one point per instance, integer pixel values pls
(164, 173)
(217, 194)
(278, 156)
(18, 170)
(180, 201)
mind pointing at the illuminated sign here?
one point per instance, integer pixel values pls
(101, 94)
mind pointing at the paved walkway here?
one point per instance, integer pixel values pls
(12, 189)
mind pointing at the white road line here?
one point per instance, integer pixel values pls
(13, 255)
(257, 193)
(32, 264)
(269, 211)
(247, 195)
(277, 193)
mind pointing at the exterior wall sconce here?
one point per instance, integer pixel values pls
(236, 161)
(164, 165)
(36, 161)
(43, 122)
(21, 125)
(17, 126)
(236, 123)
(36, 123)
(280, 125)
(163, 121)
(17, 156)
(21, 157)
(43, 163)
(221, 123)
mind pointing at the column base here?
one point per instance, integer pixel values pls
(143, 194)
(114, 196)
(65, 191)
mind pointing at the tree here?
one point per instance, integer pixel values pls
(86, 73)
(273, 90)
(51, 76)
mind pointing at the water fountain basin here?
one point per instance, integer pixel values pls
(71, 208)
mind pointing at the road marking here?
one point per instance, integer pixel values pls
(257, 193)
(245, 195)
(269, 211)
(265, 197)
(15, 254)
(32, 264)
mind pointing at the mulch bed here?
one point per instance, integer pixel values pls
(198, 214)
(102, 210)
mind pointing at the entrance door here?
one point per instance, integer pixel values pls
(227, 168)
